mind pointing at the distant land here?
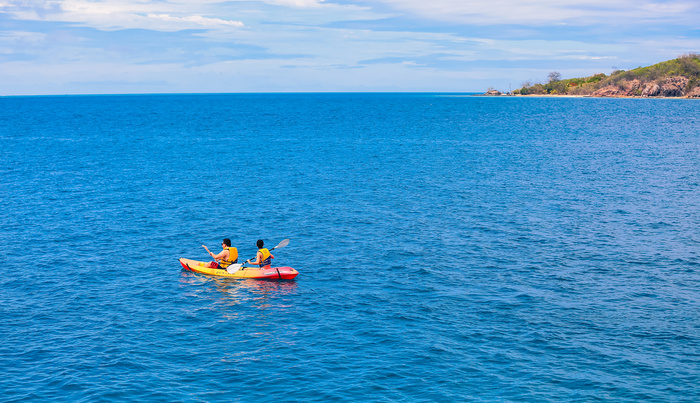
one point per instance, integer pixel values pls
(677, 78)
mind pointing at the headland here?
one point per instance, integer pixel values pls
(676, 78)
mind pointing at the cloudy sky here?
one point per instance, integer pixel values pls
(166, 46)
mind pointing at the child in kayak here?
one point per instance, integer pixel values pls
(264, 257)
(226, 257)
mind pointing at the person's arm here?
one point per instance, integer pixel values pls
(205, 247)
(258, 259)
(223, 255)
(220, 256)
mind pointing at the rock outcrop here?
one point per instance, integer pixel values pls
(651, 90)
(610, 91)
(694, 93)
(674, 86)
(493, 92)
(632, 86)
(671, 87)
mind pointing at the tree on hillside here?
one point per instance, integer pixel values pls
(554, 77)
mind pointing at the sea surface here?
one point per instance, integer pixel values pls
(450, 248)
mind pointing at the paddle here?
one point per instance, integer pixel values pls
(235, 267)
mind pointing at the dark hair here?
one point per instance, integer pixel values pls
(227, 242)
(260, 243)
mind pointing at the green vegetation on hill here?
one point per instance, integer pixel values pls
(678, 77)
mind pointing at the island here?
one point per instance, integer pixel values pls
(676, 78)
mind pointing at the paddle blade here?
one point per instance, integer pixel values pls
(282, 244)
(234, 268)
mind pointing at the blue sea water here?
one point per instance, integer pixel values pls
(450, 248)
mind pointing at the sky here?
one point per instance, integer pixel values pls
(52, 47)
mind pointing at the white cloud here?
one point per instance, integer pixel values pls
(110, 15)
(197, 19)
(173, 15)
(575, 12)
(130, 13)
(296, 3)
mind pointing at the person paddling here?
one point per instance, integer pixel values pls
(263, 258)
(226, 257)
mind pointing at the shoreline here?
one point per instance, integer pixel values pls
(581, 96)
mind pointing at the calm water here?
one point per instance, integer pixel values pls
(450, 248)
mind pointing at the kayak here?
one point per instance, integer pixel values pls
(270, 273)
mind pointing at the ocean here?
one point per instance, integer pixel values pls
(450, 248)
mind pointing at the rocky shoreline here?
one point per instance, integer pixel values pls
(675, 78)
(672, 87)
